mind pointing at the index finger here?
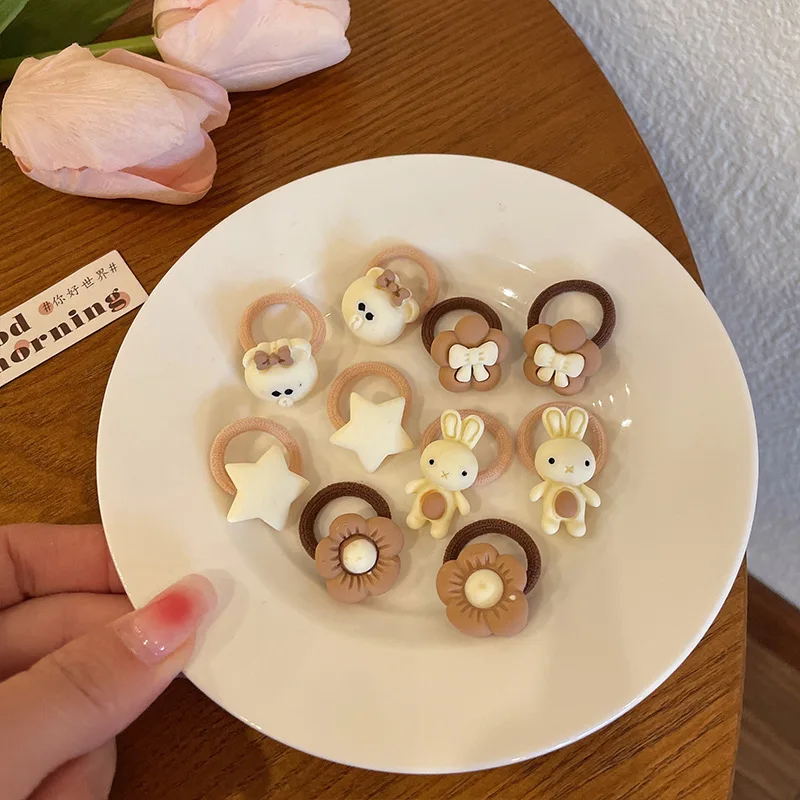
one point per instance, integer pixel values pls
(37, 560)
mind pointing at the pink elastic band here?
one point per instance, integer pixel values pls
(280, 299)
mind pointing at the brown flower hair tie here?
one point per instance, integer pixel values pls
(449, 467)
(469, 356)
(375, 430)
(359, 557)
(484, 592)
(266, 489)
(282, 371)
(562, 354)
(565, 463)
(377, 307)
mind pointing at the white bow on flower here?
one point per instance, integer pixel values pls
(471, 362)
(552, 363)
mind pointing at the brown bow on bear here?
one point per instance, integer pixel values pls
(282, 357)
(389, 282)
(469, 356)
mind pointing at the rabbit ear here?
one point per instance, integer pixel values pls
(451, 425)
(471, 431)
(577, 422)
(555, 423)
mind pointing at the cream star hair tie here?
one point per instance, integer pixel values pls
(267, 488)
(375, 430)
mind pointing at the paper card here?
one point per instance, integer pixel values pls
(67, 312)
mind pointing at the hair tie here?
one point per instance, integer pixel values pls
(449, 467)
(564, 462)
(266, 489)
(282, 371)
(562, 354)
(359, 557)
(375, 430)
(505, 453)
(484, 591)
(469, 356)
(377, 307)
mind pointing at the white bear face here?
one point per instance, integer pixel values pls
(568, 461)
(377, 313)
(450, 465)
(281, 372)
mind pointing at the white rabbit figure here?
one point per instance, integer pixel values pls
(377, 308)
(449, 466)
(282, 372)
(566, 463)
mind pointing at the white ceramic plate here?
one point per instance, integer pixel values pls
(389, 684)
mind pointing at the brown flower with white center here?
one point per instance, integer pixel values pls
(561, 355)
(359, 557)
(469, 356)
(484, 592)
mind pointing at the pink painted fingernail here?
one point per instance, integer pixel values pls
(168, 620)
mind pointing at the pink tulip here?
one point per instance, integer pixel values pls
(121, 125)
(247, 45)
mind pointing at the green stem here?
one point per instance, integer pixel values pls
(141, 44)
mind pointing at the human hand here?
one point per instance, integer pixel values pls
(76, 664)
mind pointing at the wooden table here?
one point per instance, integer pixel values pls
(506, 79)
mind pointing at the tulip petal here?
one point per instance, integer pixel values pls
(214, 96)
(247, 45)
(191, 185)
(186, 168)
(75, 111)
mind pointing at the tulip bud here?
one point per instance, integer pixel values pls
(247, 45)
(121, 125)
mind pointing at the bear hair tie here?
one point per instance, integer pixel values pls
(265, 489)
(282, 371)
(374, 430)
(359, 557)
(469, 356)
(483, 591)
(377, 307)
(562, 355)
(564, 462)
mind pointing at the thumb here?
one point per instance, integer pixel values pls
(78, 697)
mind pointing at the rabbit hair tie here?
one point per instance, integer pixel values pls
(565, 463)
(449, 467)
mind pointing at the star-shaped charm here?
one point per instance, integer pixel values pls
(375, 430)
(264, 490)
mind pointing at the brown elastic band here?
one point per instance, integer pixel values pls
(418, 257)
(246, 425)
(456, 304)
(327, 495)
(585, 287)
(599, 445)
(362, 370)
(505, 452)
(503, 528)
(280, 299)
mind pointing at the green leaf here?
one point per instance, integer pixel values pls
(8, 10)
(43, 25)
